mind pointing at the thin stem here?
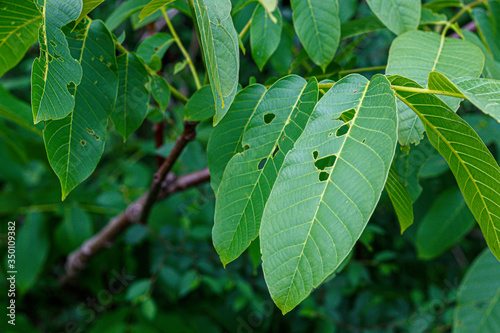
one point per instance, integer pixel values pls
(460, 13)
(183, 50)
(428, 91)
(245, 29)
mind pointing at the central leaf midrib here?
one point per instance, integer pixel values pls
(323, 193)
(268, 156)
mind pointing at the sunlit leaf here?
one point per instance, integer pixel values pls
(265, 35)
(152, 7)
(19, 24)
(75, 143)
(88, 6)
(398, 15)
(226, 137)
(249, 176)
(219, 42)
(55, 70)
(475, 169)
(328, 188)
(417, 53)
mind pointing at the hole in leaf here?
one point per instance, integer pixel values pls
(323, 176)
(155, 48)
(330, 134)
(90, 131)
(315, 154)
(347, 116)
(97, 137)
(276, 150)
(246, 147)
(83, 143)
(269, 117)
(262, 163)
(342, 130)
(325, 162)
(364, 140)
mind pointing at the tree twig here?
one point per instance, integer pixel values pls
(78, 260)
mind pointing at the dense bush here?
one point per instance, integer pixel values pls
(219, 162)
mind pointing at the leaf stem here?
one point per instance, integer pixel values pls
(245, 29)
(181, 47)
(460, 13)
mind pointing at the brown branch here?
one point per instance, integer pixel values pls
(189, 134)
(78, 260)
(158, 129)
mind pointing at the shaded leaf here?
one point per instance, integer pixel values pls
(444, 224)
(20, 20)
(318, 26)
(398, 15)
(133, 98)
(328, 188)
(414, 55)
(475, 169)
(227, 136)
(427, 16)
(17, 111)
(400, 199)
(265, 35)
(491, 69)
(75, 143)
(360, 26)
(123, 12)
(157, 44)
(160, 91)
(152, 7)
(219, 42)
(55, 69)
(201, 105)
(249, 176)
(478, 305)
(74, 229)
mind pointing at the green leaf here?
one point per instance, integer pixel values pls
(180, 66)
(20, 20)
(55, 69)
(444, 224)
(483, 93)
(269, 5)
(75, 143)
(219, 42)
(133, 98)
(475, 169)
(328, 188)
(414, 55)
(201, 105)
(74, 230)
(17, 111)
(318, 26)
(360, 26)
(427, 16)
(157, 44)
(249, 176)
(227, 136)
(265, 35)
(137, 290)
(161, 91)
(478, 306)
(88, 6)
(398, 15)
(486, 30)
(126, 9)
(152, 7)
(33, 238)
(400, 199)
(491, 69)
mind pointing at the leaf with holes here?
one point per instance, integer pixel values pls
(55, 73)
(328, 187)
(318, 26)
(75, 143)
(219, 42)
(249, 176)
(444, 224)
(414, 55)
(399, 16)
(20, 20)
(226, 137)
(265, 35)
(400, 199)
(475, 169)
(133, 97)
(483, 93)
(478, 302)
